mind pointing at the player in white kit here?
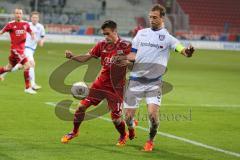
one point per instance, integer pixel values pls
(150, 54)
(30, 47)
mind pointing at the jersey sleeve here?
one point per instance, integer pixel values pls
(125, 46)
(135, 42)
(128, 49)
(96, 50)
(29, 30)
(7, 28)
(173, 42)
(43, 33)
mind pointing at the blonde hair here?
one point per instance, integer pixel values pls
(17, 8)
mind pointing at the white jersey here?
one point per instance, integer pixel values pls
(39, 32)
(152, 52)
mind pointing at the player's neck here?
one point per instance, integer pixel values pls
(116, 39)
(157, 29)
(16, 20)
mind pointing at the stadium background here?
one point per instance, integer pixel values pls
(200, 115)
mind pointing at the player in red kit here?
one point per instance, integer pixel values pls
(18, 31)
(108, 85)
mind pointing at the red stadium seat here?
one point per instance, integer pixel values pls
(213, 13)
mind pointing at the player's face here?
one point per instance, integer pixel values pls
(110, 35)
(18, 14)
(156, 22)
(35, 18)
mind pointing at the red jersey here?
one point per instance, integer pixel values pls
(18, 33)
(111, 74)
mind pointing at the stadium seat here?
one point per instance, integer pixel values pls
(213, 13)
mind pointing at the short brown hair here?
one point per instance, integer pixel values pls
(160, 8)
(109, 24)
(35, 13)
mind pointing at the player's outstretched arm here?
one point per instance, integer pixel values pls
(130, 57)
(32, 35)
(124, 60)
(41, 42)
(1, 32)
(80, 58)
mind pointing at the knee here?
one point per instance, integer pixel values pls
(27, 65)
(129, 114)
(8, 68)
(129, 118)
(32, 63)
(117, 121)
(81, 109)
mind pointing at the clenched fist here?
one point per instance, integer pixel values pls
(68, 54)
(189, 51)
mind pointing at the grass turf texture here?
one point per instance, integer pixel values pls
(31, 130)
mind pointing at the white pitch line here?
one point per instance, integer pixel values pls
(200, 105)
(206, 105)
(169, 136)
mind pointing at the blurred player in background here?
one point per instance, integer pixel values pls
(109, 84)
(31, 46)
(18, 32)
(150, 53)
(133, 32)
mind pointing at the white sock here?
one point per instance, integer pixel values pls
(32, 76)
(16, 67)
(3, 74)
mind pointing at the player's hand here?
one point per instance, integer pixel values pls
(122, 63)
(118, 58)
(33, 36)
(114, 59)
(40, 43)
(68, 54)
(189, 51)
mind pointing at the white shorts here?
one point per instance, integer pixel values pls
(136, 90)
(29, 54)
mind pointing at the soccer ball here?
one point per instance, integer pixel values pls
(79, 90)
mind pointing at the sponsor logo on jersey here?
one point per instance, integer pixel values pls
(108, 61)
(152, 45)
(19, 32)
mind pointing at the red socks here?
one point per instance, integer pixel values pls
(78, 118)
(2, 70)
(121, 128)
(27, 78)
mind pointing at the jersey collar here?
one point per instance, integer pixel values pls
(156, 29)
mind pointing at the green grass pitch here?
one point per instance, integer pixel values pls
(204, 106)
